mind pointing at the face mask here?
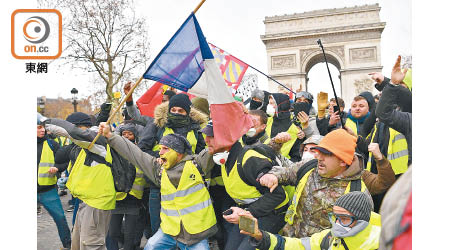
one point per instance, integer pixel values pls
(255, 105)
(307, 156)
(177, 120)
(340, 231)
(220, 158)
(171, 159)
(251, 132)
(270, 110)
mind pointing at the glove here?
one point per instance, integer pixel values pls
(106, 106)
(322, 104)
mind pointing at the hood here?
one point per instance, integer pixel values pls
(282, 101)
(162, 110)
(355, 169)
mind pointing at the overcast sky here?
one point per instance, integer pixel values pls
(236, 26)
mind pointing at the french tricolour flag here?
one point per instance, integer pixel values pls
(187, 63)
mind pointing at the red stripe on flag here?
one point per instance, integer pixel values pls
(150, 99)
(229, 123)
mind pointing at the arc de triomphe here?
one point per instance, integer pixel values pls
(351, 38)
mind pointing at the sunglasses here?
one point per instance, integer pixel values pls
(344, 219)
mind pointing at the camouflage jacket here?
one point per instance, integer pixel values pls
(317, 197)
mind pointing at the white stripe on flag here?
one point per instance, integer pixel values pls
(212, 81)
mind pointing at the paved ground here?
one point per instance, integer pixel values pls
(47, 234)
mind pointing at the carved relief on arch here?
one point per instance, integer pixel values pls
(283, 62)
(362, 85)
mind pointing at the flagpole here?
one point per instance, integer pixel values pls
(131, 92)
(261, 72)
(198, 6)
(117, 109)
(331, 80)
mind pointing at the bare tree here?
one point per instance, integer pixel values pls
(104, 37)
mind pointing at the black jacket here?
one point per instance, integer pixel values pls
(404, 96)
(249, 172)
(399, 120)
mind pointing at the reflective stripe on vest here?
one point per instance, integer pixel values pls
(190, 137)
(292, 210)
(137, 190)
(397, 152)
(93, 184)
(240, 191)
(286, 148)
(189, 203)
(47, 160)
(188, 210)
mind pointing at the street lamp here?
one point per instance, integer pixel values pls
(74, 92)
(42, 105)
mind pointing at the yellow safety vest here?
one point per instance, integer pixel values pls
(63, 141)
(286, 148)
(47, 161)
(367, 239)
(189, 203)
(137, 190)
(94, 185)
(190, 137)
(397, 152)
(241, 192)
(292, 210)
(352, 125)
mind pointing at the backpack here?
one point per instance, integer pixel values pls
(123, 171)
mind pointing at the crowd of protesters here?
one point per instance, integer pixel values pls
(331, 178)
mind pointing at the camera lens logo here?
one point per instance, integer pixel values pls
(36, 29)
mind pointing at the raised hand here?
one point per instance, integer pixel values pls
(105, 130)
(377, 77)
(397, 74)
(303, 118)
(282, 137)
(375, 149)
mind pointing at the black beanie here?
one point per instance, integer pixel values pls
(169, 93)
(128, 127)
(79, 118)
(176, 142)
(357, 203)
(369, 98)
(182, 101)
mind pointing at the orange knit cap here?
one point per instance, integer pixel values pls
(340, 143)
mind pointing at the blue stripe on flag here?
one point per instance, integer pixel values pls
(180, 63)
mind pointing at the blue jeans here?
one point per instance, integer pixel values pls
(51, 202)
(162, 241)
(154, 208)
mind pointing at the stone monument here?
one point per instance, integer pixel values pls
(351, 38)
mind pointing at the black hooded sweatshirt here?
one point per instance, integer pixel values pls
(282, 121)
